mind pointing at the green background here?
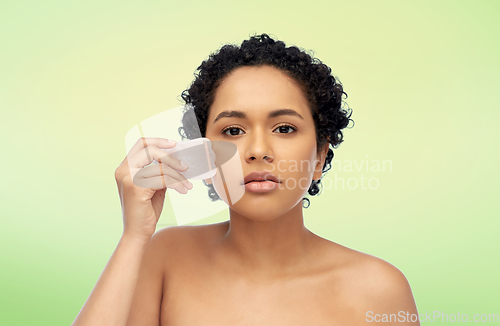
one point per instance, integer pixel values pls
(422, 79)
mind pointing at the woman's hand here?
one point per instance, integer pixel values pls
(142, 190)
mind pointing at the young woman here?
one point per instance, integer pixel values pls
(280, 107)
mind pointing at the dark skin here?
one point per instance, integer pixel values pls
(263, 266)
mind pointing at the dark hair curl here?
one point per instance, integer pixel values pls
(323, 91)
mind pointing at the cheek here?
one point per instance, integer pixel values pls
(228, 182)
(297, 161)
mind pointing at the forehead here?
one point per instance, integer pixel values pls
(258, 90)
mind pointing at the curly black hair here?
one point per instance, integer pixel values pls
(323, 91)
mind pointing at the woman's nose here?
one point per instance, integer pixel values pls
(259, 148)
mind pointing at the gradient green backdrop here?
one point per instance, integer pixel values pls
(422, 80)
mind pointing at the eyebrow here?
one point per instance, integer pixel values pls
(272, 114)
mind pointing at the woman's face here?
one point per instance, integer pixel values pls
(282, 144)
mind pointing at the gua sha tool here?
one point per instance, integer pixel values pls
(197, 154)
(216, 162)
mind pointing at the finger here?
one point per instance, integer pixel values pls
(150, 153)
(163, 169)
(147, 141)
(160, 182)
(171, 161)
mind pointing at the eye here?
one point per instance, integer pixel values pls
(283, 129)
(233, 131)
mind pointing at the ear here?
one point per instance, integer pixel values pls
(320, 161)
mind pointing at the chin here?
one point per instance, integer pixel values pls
(264, 207)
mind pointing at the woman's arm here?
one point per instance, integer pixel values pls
(110, 301)
(134, 268)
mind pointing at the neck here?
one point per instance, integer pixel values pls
(268, 249)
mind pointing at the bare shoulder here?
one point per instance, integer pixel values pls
(370, 282)
(165, 254)
(176, 235)
(188, 234)
(183, 243)
(377, 274)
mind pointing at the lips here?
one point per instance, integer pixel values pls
(260, 177)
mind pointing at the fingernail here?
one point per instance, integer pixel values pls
(184, 165)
